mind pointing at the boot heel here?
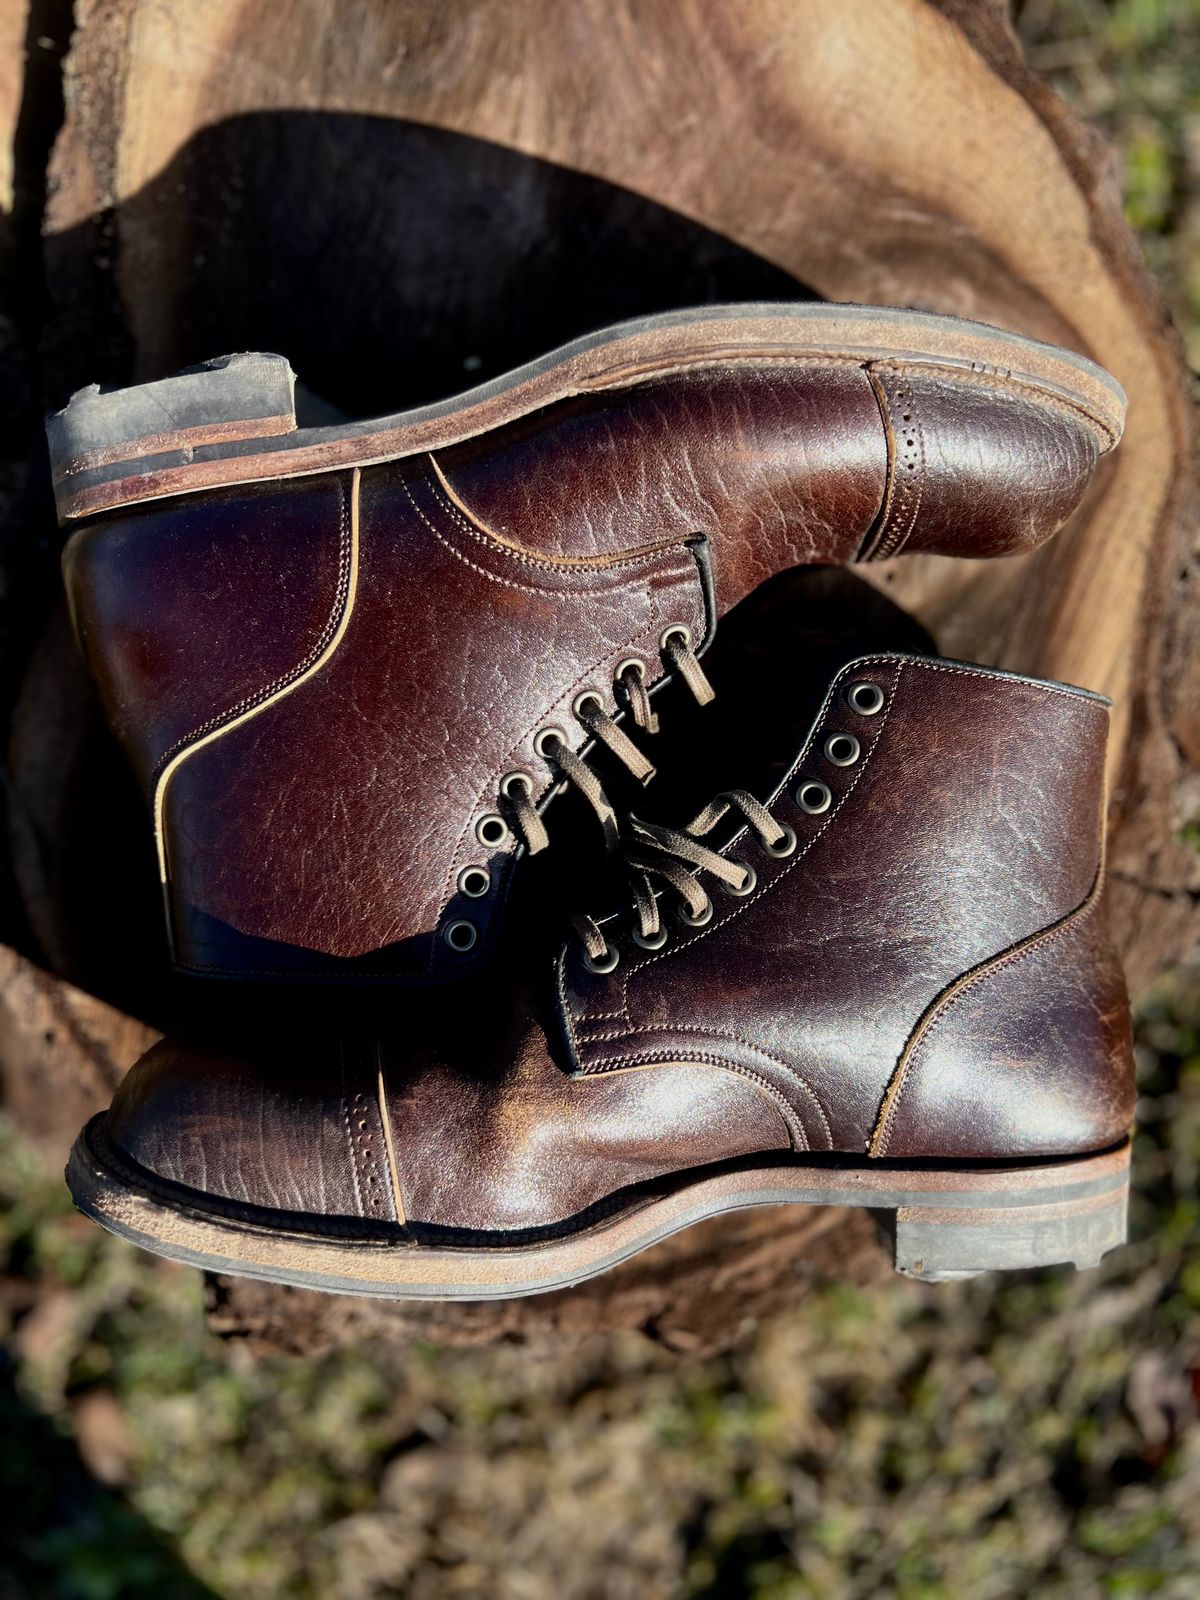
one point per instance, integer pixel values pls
(103, 442)
(936, 1245)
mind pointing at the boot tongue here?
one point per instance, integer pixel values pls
(770, 665)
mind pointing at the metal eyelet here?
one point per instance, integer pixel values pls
(814, 797)
(748, 885)
(680, 628)
(701, 921)
(588, 697)
(630, 664)
(515, 779)
(460, 935)
(654, 943)
(474, 882)
(784, 848)
(865, 698)
(491, 830)
(602, 964)
(548, 737)
(843, 749)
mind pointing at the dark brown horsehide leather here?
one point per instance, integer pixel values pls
(322, 681)
(925, 973)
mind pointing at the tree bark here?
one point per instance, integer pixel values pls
(405, 198)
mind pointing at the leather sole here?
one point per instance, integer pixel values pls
(944, 1221)
(234, 420)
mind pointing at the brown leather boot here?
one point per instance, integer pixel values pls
(890, 984)
(352, 663)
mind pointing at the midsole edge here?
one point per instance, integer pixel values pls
(750, 1186)
(312, 451)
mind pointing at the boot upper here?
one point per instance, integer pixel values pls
(329, 685)
(926, 974)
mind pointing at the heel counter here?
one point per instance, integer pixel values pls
(188, 609)
(1031, 1056)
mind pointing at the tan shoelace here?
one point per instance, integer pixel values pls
(517, 787)
(677, 859)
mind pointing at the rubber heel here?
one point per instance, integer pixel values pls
(939, 1245)
(103, 436)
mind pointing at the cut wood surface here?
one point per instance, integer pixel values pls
(62, 1053)
(12, 42)
(407, 198)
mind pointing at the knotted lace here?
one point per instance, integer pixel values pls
(656, 855)
(516, 788)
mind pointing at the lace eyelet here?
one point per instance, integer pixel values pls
(491, 830)
(474, 882)
(814, 797)
(512, 780)
(581, 701)
(630, 664)
(865, 698)
(606, 963)
(701, 921)
(842, 749)
(655, 943)
(460, 935)
(784, 848)
(679, 629)
(747, 887)
(546, 739)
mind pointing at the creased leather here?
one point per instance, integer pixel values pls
(504, 1139)
(778, 465)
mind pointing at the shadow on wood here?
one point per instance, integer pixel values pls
(470, 184)
(390, 263)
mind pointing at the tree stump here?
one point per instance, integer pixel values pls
(406, 198)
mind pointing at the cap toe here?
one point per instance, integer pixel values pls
(293, 1136)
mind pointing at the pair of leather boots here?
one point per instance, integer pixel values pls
(404, 693)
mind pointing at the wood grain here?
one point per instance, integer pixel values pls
(406, 198)
(13, 22)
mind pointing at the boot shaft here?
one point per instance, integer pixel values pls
(322, 686)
